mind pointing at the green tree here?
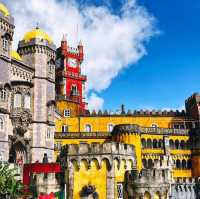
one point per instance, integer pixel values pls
(10, 187)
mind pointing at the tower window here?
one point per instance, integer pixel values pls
(74, 90)
(5, 44)
(119, 191)
(88, 128)
(65, 128)
(1, 123)
(67, 113)
(2, 94)
(48, 135)
(17, 100)
(110, 127)
(27, 101)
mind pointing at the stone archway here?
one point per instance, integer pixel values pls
(147, 195)
(18, 153)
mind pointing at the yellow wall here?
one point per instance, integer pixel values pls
(182, 173)
(100, 124)
(93, 176)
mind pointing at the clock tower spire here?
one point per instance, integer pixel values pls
(69, 80)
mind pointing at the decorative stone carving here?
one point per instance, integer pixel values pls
(21, 119)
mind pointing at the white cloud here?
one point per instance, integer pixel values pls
(112, 42)
(95, 102)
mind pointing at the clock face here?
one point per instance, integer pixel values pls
(72, 62)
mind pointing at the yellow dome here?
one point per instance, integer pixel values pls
(15, 55)
(4, 10)
(37, 33)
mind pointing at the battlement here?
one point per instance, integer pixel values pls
(108, 152)
(134, 128)
(97, 149)
(73, 135)
(139, 113)
(155, 174)
(36, 45)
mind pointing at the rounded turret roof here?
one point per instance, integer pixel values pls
(15, 55)
(37, 33)
(4, 10)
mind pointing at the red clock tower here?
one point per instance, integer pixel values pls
(69, 80)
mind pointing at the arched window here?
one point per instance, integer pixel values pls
(187, 144)
(51, 65)
(2, 94)
(150, 163)
(160, 144)
(27, 101)
(144, 163)
(149, 144)
(17, 100)
(144, 144)
(155, 144)
(189, 164)
(5, 43)
(178, 164)
(48, 133)
(182, 144)
(88, 128)
(1, 124)
(110, 127)
(171, 144)
(74, 90)
(184, 166)
(177, 144)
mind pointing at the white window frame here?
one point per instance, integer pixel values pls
(67, 113)
(2, 123)
(17, 100)
(5, 44)
(120, 191)
(65, 128)
(2, 94)
(88, 128)
(109, 127)
(27, 101)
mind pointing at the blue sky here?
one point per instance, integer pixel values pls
(169, 73)
(161, 73)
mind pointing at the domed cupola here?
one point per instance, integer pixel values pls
(4, 10)
(37, 34)
(15, 55)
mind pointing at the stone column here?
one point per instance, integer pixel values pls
(110, 183)
(70, 181)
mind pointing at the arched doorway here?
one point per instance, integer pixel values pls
(147, 195)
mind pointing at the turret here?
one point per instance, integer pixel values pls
(38, 51)
(192, 105)
(64, 44)
(80, 49)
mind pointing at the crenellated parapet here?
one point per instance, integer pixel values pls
(7, 24)
(76, 153)
(134, 128)
(36, 46)
(139, 113)
(149, 182)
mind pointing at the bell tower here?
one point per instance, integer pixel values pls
(69, 79)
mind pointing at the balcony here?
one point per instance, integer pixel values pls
(71, 98)
(72, 135)
(77, 76)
